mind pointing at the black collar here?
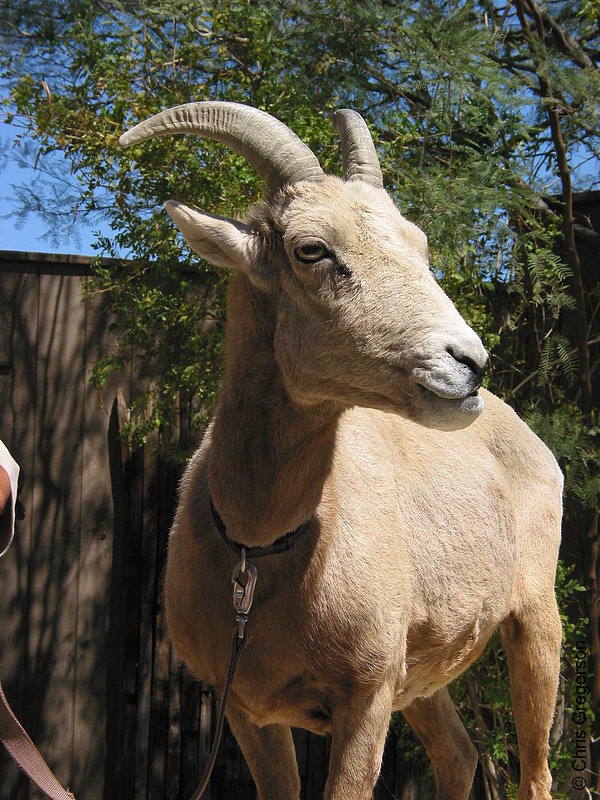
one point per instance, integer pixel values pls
(281, 545)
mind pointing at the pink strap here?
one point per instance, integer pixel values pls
(14, 737)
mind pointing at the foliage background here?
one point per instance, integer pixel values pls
(486, 117)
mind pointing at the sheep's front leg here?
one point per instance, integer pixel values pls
(270, 754)
(359, 730)
(532, 638)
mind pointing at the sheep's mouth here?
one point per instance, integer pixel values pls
(469, 404)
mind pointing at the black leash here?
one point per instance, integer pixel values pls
(237, 646)
(244, 582)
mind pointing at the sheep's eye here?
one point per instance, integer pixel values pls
(310, 252)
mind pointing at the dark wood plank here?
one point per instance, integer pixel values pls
(96, 556)
(19, 303)
(56, 512)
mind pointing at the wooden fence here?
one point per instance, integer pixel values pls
(84, 655)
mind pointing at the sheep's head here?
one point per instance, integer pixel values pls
(359, 317)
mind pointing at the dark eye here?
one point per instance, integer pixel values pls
(310, 252)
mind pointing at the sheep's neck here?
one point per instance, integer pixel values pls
(269, 458)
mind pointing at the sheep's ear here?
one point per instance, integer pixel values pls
(222, 241)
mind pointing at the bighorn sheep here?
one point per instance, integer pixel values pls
(351, 402)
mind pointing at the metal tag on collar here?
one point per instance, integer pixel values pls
(243, 593)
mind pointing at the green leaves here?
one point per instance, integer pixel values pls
(575, 442)
(446, 88)
(549, 280)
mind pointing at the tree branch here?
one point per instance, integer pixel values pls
(565, 42)
(568, 221)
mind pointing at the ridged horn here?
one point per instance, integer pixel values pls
(272, 148)
(359, 156)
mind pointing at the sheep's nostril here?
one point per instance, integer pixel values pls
(476, 368)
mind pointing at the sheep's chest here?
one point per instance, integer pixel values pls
(310, 650)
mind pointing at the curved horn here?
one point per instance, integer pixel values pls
(358, 151)
(274, 150)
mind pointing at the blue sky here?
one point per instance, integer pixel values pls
(14, 235)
